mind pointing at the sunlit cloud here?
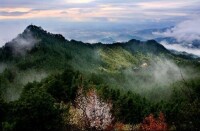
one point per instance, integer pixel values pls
(94, 9)
(163, 4)
(74, 13)
(15, 9)
(103, 11)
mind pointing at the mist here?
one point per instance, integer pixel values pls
(31, 76)
(180, 48)
(3, 66)
(166, 72)
(154, 79)
(13, 92)
(185, 31)
(23, 43)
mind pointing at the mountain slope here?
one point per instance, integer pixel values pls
(37, 53)
(40, 48)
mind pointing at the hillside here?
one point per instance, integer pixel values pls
(35, 41)
(39, 66)
(36, 50)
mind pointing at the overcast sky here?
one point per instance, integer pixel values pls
(78, 18)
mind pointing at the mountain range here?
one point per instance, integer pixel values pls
(171, 42)
(40, 51)
(45, 80)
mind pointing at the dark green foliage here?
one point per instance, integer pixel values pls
(8, 75)
(96, 79)
(189, 108)
(34, 111)
(150, 46)
(3, 111)
(128, 107)
(6, 80)
(36, 105)
(62, 87)
(183, 109)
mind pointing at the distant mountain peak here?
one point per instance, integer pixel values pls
(34, 27)
(152, 41)
(39, 31)
(134, 40)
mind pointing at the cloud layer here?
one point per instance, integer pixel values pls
(82, 10)
(180, 48)
(186, 31)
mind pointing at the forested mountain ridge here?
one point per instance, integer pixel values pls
(41, 71)
(39, 37)
(43, 47)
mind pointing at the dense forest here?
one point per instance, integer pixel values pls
(48, 83)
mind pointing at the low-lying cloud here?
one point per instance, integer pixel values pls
(165, 72)
(23, 43)
(31, 76)
(2, 67)
(180, 48)
(12, 93)
(186, 31)
(155, 78)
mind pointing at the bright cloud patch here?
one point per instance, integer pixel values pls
(15, 9)
(187, 31)
(180, 48)
(163, 4)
